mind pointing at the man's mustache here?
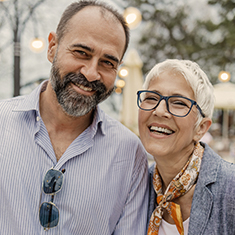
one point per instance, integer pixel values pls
(81, 80)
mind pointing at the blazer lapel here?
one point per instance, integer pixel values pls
(152, 194)
(203, 198)
(200, 210)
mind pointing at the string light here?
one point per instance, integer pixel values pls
(224, 76)
(37, 45)
(123, 72)
(133, 17)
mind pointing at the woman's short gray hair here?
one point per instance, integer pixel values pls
(196, 78)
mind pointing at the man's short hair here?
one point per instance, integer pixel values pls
(75, 7)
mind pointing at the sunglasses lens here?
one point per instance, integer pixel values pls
(53, 181)
(48, 215)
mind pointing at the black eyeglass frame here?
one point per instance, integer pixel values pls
(166, 98)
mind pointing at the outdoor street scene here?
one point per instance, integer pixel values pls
(202, 31)
(117, 117)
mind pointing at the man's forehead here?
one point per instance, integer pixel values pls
(90, 23)
(96, 11)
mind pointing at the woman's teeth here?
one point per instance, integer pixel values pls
(161, 130)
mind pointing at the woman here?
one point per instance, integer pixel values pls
(192, 190)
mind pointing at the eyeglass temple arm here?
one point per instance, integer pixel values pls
(203, 115)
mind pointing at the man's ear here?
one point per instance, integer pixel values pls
(53, 43)
(202, 128)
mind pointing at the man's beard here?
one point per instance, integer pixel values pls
(73, 103)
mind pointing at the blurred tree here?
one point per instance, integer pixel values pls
(16, 14)
(220, 35)
(172, 29)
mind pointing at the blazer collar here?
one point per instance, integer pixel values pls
(203, 199)
(210, 158)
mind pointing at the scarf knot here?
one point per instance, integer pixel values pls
(162, 202)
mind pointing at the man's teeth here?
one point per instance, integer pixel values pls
(161, 129)
(83, 87)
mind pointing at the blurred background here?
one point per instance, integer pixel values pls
(199, 30)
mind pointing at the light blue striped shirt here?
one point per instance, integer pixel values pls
(105, 188)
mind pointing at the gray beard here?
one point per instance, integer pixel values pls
(73, 103)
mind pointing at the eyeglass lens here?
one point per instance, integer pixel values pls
(52, 182)
(48, 212)
(179, 106)
(49, 215)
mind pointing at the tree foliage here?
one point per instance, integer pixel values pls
(172, 29)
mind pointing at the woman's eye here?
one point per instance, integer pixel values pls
(151, 98)
(180, 103)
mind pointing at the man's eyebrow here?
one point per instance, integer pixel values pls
(111, 57)
(83, 46)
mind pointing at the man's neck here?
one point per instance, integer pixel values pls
(62, 128)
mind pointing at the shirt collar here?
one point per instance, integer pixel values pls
(98, 121)
(31, 102)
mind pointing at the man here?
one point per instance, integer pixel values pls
(93, 170)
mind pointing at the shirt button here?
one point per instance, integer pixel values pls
(38, 118)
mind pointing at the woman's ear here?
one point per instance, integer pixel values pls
(202, 128)
(52, 40)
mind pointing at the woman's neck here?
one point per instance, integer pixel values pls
(170, 166)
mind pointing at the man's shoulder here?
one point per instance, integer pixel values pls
(10, 103)
(23, 102)
(115, 126)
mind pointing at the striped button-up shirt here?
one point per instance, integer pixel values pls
(105, 189)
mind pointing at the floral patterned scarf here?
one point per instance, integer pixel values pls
(179, 186)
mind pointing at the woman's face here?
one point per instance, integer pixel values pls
(163, 134)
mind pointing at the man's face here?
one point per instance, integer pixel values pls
(86, 59)
(73, 103)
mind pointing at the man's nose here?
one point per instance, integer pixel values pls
(90, 70)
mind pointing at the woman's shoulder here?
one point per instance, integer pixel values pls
(216, 170)
(214, 196)
(210, 157)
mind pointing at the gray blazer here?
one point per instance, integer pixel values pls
(213, 206)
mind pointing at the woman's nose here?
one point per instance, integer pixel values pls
(161, 109)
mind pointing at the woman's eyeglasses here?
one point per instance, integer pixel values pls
(178, 106)
(48, 212)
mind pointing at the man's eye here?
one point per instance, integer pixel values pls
(81, 53)
(108, 64)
